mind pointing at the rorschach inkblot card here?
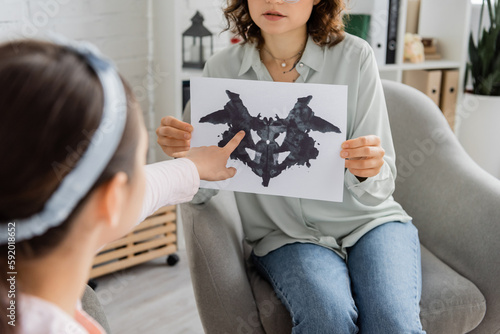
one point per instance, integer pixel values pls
(293, 135)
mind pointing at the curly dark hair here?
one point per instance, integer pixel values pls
(325, 25)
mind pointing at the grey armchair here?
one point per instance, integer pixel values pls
(91, 305)
(454, 203)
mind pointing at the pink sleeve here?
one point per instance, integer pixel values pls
(168, 183)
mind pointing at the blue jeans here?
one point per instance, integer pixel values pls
(377, 291)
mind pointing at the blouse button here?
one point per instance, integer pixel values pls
(301, 65)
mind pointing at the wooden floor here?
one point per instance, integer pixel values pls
(151, 298)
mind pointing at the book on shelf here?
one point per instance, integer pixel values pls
(412, 15)
(357, 25)
(449, 91)
(429, 41)
(392, 32)
(433, 56)
(377, 22)
(379, 26)
(426, 81)
(430, 48)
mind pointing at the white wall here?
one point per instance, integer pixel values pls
(214, 19)
(142, 36)
(120, 28)
(475, 17)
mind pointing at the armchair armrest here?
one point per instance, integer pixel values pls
(91, 305)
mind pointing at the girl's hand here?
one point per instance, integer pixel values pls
(364, 156)
(211, 161)
(174, 136)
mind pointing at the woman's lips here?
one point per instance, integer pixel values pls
(273, 16)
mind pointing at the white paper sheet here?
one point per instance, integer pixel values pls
(283, 131)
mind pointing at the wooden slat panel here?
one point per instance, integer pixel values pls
(118, 265)
(167, 218)
(164, 209)
(155, 231)
(119, 253)
(134, 237)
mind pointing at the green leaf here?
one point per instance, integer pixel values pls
(492, 49)
(496, 73)
(467, 70)
(474, 58)
(496, 83)
(480, 21)
(497, 44)
(497, 14)
(496, 62)
(492, 83)
(475, 64)
(494, 39)
(484, 65)
(487, 84)
(490, 12)
(486, 50)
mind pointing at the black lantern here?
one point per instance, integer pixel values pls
(196, 53)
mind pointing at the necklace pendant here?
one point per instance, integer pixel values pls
(283, 64)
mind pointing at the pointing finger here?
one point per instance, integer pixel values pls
(234, 142)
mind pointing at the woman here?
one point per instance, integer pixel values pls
(337, 267)
(73, 179)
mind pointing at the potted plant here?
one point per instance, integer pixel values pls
(479, 130)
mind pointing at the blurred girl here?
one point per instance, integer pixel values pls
(73, 148)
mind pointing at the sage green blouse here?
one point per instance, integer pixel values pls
(270, 222)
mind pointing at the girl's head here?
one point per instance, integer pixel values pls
(51, 103)
(253, 19)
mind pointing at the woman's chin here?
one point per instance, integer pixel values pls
(275, 30)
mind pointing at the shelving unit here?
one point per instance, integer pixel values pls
(446, 20)
(452, 35)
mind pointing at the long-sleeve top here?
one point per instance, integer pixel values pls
(167, 183)
(270, 222)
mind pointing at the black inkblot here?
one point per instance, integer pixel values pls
(296, 127)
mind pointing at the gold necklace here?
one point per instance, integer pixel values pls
(284, 61)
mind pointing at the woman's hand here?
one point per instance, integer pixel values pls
(364, 156)
(174, 136)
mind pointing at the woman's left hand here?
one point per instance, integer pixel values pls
(364, 156)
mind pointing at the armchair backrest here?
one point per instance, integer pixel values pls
(454, 203)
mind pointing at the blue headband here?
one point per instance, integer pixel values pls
(75, 186)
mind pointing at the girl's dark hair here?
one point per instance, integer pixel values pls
(325, 25)
(51, 102)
